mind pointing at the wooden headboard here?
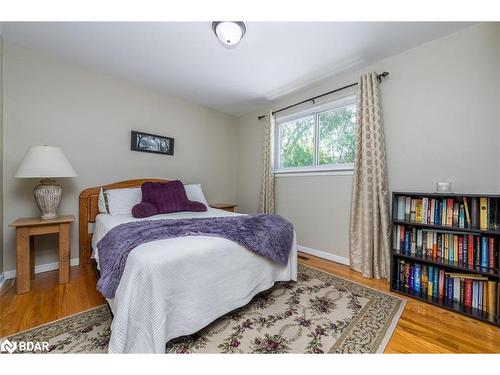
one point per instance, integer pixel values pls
(88, 210)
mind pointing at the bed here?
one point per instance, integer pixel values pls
(177, 286)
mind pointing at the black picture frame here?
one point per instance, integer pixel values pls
(152, 143)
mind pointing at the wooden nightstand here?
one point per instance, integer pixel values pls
(26, 229)
(224, 206)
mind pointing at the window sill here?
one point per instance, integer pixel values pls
(315, 172)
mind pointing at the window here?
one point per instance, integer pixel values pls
(319, 139)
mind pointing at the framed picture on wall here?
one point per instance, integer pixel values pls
(156, 144)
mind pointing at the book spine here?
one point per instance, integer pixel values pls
(441, 284)
(496, 214)
(490, 213)
(455, 248)
(432, 213)
(401, 207)
(461, 216)
(413, 210)
(417, 278)
(425, 243)
(419, 242)
(468, 293)
(462, 291)
(456, 214)
(474, 213)
(477, 252)
(451, 248)
(467, 214)
(460, 246)
(407, 208)
(413, 244)
(425, 210)
(480, 295)
(449, 212)
(425, 279)
(418, 210)
(401, 282)
(440, 245)
(484, 252)
(449, 284)
(430, 280)
(456, 289)
(412, 277)
(434, 245)
(407, 275)
(444, 212)
(475, 294)
(435, 283)
(491, 253)
(485, 296)
(402, 237)
(483, 218)
(446, 248)
(470, 251)
(492, 297)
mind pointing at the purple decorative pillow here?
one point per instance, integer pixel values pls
(144, 209)
(164, 198)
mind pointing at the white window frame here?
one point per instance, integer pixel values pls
(317, 169)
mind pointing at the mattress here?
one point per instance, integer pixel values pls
(177, 286)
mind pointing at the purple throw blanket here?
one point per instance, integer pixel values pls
(270, 236)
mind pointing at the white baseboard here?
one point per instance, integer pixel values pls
(2, 279)
(42, 268)
(324, 255)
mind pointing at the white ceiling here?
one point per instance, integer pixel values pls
(184, 59)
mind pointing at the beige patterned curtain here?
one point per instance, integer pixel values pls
(370, 221)
(266, 199)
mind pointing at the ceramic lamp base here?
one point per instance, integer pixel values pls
(48, 197)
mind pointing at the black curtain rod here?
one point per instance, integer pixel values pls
(379, 77)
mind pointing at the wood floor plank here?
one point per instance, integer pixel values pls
(423, 328)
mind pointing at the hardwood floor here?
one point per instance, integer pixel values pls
(48, 300)
(422, 328)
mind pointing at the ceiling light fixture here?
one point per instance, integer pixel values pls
(229, 32)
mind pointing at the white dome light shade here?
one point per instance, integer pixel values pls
(229, 32)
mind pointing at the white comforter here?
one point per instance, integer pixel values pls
(175, 287)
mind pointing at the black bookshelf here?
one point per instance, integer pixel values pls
(493, 274)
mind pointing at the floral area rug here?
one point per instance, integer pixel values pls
(320, 313)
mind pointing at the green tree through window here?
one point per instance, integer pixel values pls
(330, 132)
(336, 136)
(297, 143)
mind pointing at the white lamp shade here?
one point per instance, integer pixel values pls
(45, 162)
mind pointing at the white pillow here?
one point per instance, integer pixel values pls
(101, 203)
(195, 193)
(121, 201)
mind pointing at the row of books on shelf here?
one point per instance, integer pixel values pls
(469, 290)
(464, 212)
(466, 250)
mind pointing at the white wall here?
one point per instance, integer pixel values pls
(90, 117)
(441, 108)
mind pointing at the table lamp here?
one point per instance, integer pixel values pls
(46, 163)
